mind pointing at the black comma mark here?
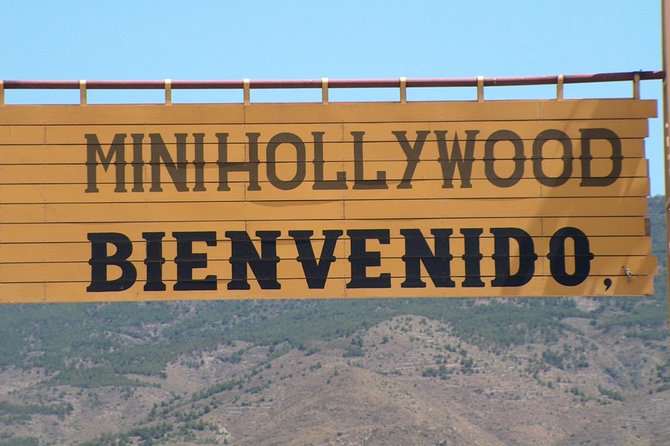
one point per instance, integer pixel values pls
(608, 283)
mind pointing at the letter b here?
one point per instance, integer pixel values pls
(100, 260)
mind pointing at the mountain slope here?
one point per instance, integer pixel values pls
(558, 371)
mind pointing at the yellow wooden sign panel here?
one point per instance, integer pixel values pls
(233, 201)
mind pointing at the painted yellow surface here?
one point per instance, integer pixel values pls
(535, 198)
(336, 288)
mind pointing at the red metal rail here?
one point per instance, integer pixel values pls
(332, 83)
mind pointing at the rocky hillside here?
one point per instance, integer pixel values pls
(376, 372)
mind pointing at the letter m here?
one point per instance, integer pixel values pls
(116, 153)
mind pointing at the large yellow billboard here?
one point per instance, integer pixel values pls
(237, 201)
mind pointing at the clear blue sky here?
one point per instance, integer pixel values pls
(337, 39)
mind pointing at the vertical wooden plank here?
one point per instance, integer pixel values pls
(665, 32)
